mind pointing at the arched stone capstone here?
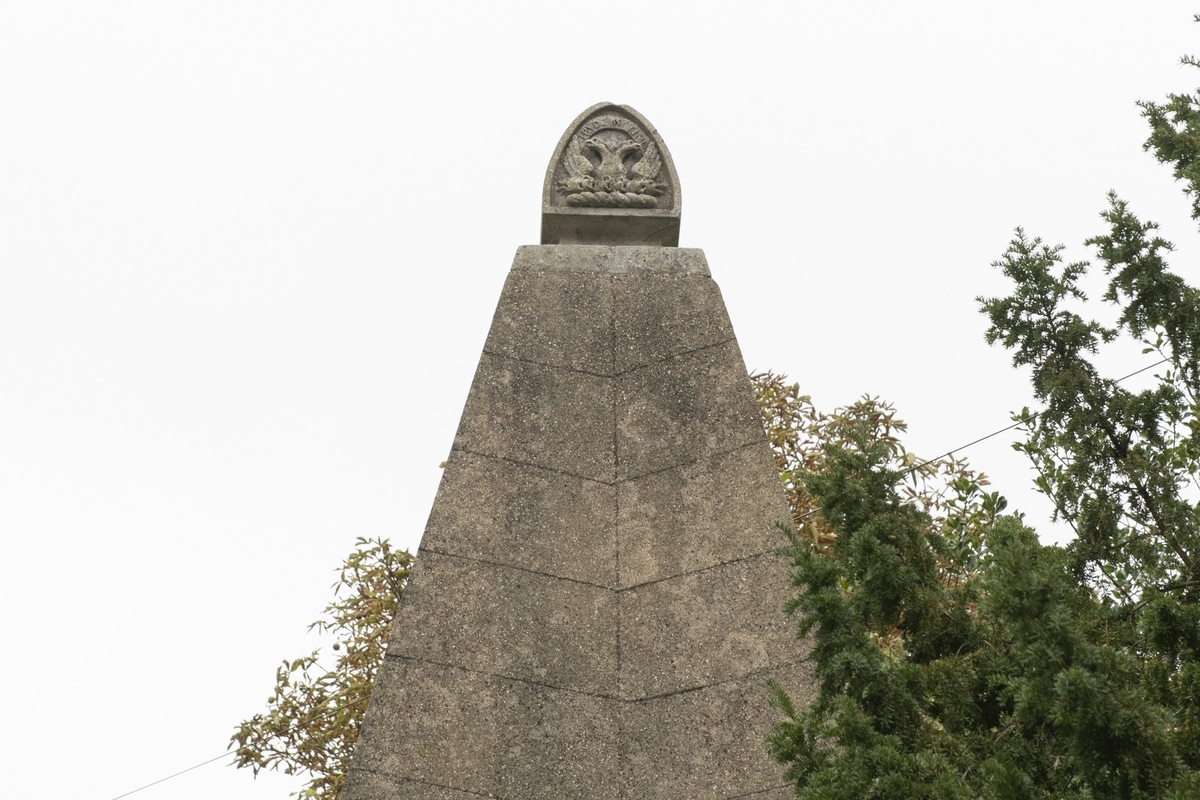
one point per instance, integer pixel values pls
(611, 181)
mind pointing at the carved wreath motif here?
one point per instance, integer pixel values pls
(611, 163)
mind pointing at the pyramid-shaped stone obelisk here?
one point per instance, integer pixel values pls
(596, 604)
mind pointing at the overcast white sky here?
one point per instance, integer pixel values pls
(249, 253)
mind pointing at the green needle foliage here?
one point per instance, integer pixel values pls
(314, 714)
(957, 657)
(798, 434)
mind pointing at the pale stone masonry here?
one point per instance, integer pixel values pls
(596, 605)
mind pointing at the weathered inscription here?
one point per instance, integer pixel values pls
(611, 163)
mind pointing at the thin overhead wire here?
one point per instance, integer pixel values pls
(1016, 424)
(1022, 421)
(174, 775)
(227, 754)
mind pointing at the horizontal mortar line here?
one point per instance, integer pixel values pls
(675, 356)
(598, 695)
(617, 373)
(718, 565)
(761, 671)
(408, 779)
(613, 589)
(692, 462)
(616, 481)
(521, 463)
(759, 791)
(675, 692)
(454, 788)
(560, 367)
(526, 681)
(791, 662)
(477, 560)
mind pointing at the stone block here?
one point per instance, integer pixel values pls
(659, 316)
(699, 515)
(471, 732)
(540, 415)
(525, 516)
(684, 409)
(705, 627)
(563, 319)
(510, 622)
(707, 744)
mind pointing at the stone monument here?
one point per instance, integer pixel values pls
(596, 606)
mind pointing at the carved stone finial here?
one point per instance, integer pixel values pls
(611, 181)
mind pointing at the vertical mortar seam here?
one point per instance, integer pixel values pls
(619, 707)
(616, 442)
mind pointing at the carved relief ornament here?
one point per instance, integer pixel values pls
(619, 167)
(611, 181)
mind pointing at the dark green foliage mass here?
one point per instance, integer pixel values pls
(957, 657)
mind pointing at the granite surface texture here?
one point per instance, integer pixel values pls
(596, 606)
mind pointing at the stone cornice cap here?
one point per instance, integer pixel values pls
(611, 181)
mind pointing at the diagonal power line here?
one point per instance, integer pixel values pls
(1016, 424)
(298, 726)
(306, 723)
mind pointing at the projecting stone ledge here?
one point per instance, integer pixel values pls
(629, 260)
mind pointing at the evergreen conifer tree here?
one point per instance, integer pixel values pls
(957, 656)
